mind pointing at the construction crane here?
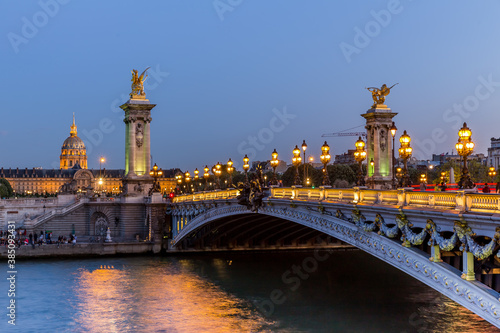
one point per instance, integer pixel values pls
(344, 133)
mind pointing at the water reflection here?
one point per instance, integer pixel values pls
(159, 297)
(349, 292)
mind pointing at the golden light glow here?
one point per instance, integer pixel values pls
(360, 153)
(304, 145)
(393, 129)
(492, 172)
(246, 166)
(325, 154)
(196, 173)
(230, 168)
(405, 138)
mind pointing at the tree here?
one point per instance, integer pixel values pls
(6, 190)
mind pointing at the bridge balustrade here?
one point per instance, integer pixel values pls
(457, 200)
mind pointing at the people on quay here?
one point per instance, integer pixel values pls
(486, 188)
(497, 188)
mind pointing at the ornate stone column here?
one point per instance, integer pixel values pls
(379, 144)
(137, 145)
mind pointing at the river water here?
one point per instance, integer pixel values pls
(344, 291)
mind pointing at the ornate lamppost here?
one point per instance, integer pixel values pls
(325, 159)
(274, 164)
(372, 164)
(296, 160)
(405, 153)
(187, 177)
(492, 172)
(304, 147)
(246, 167)
(196, 178)
(218, 171)
(464, 147)
(360, 156)
(230, 170)
(156, 173)
(206, 175)
(393, 134)
(101, 160)
(178, 177)
(423, 181)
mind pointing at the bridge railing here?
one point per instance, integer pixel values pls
(451, 200)
(212, 195)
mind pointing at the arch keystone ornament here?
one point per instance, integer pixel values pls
(137, 138)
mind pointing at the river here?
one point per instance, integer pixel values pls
(341, 291)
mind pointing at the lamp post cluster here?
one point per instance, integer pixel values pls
(393, 134)
(360, 156)
(325, 158)
(464, 147)
(296, 160)
(405, 153)
(156, 173)
(274, 164)
(492, 172)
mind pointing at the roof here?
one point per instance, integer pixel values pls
(69, 173)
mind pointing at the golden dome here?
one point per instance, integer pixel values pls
(73, 151)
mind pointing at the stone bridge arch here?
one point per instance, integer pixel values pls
(355, 231)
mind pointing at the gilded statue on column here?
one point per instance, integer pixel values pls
(378, 95)
(138, 84)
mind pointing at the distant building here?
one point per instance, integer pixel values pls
(494, 153)
(73, 174)
(345, 158)
(444, 157)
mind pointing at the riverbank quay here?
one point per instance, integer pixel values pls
(82, 250)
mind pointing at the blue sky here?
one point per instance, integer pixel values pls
(231, 77)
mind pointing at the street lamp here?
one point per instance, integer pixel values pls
(304, 147)
(372, 164)
(196, 177)
(101, 160)
(274, 164)
(206, 175)
(393, 134)
(325, 159)
(464, 147)
(217, 170)
(156, 173)
(405, 153)
(492, 173)
(187, 178)
(296, 160)
(230, 170)
(246, 166)
(360, 156)
(178, 177)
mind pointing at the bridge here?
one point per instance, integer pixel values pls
(447, 240)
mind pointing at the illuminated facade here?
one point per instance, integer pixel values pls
(73, 175)
(51, 181)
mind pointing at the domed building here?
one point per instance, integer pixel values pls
(73, 151)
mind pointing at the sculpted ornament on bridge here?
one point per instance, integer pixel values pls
(378, 95)
(138, 84)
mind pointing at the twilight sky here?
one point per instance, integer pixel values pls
(235, 77)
